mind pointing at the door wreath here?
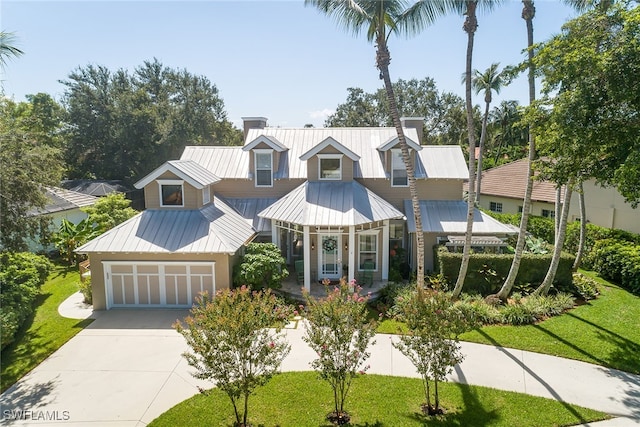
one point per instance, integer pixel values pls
(330, 244)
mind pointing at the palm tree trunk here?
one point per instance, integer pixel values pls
(383, 59)
(528, 12)
(556, 217)
(583, 228)
(544, 287)
(483, 137)
(470, 26)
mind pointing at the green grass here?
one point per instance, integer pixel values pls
(301, 399)
(45, 330)
(604, 331)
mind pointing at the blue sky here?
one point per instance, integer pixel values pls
(276, 59)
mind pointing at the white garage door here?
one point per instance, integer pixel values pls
(152, 284)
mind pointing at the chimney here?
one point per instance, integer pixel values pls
(414, 123)
(253, 123)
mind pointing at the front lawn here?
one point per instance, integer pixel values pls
(44, 331)
(603, 331)
(301, 399)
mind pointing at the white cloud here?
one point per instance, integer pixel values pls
(321, 114)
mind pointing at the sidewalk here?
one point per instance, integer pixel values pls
(126, 368)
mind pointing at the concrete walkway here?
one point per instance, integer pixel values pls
(126, 368)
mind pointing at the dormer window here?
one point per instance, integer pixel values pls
(171, 193)
(330, 166)
(398, 169)
(263, 168)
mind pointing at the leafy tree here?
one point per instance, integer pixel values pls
(29, 163)
(509, 135)
(262, 266)
(236, 342)
(121, 123)
(69, 236)
(431, 342)
(339, 332)
(109, 211)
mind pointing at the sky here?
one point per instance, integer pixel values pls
(274, 59)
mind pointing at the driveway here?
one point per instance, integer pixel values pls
(126, 368)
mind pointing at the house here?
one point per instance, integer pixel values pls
(61, 204)
(336, 200)
(104, 187)
(503, 188)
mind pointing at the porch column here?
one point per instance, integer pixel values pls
(274, 233)
(352, 252)
(306, 238)
(385, 249)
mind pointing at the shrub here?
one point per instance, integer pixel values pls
(21, 275)
(585, 287)
(85, 288)
(618, 262)
(477, 308)
(516, 314)
(262, 266)
(595, 233)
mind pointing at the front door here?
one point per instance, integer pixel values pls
(330, 264)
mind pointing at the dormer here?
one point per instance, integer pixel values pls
(330, 161)
(393, 163)
(265, 152)
(178, 184)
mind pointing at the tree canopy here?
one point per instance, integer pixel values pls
(122, 124)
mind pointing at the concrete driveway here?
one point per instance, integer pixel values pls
(126, 368)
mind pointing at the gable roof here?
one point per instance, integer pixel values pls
(215, 228)
(330, 142)
(187, 170)
(268, 140)
(60, 200)
(336, 203)
(393, 141)
(510, 180)
(450, 216)
(233, 162)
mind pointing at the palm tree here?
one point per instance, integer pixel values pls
(505, 116)
(490, 81)
(583, 227)
(381, 18)
(528, 13)
(8, 48)
(470, 26)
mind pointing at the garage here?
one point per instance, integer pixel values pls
(157, 284)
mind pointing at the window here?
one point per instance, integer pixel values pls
(264, 168)
(548, 213)
(206, 195)
(495, 206)
(520, 209)
(368, 251)
(398, 169)
(330, 166)
(171, 193)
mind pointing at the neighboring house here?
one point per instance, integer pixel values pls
(103, 187)
(336, 199)
(503, 188)
(62, 204)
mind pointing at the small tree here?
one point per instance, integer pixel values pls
(262, 266)
(339, 332)
(69, 236)
(110, 211)
(236, 342)
(432, 342)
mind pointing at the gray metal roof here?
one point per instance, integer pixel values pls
(224, 162)
(95, 187)
(450, 216)
(249, 208)
(331, 204)
(60, 200)
(215, 228)
(194, 173)
(442, 161)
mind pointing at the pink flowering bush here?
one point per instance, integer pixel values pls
(236, 342)
(338, 331)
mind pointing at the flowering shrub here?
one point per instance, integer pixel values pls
(338, 331)
(236, 341)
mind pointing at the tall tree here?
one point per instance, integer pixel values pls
(528, 13)
(470, 26)
(381, 18)
(8, 47)
(122, 123)
(488, 82)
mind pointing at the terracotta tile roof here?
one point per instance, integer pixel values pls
(510, 180)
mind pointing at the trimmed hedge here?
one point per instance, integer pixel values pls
(487, 272)
(21, 275)
(595, 233)
(541, 227)
(618, 262)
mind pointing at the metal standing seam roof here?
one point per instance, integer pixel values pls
(60, 200)
(450, 216)
(233, 162)
(215, 228)
(331, 204)
(249, 208)
(189, 170)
